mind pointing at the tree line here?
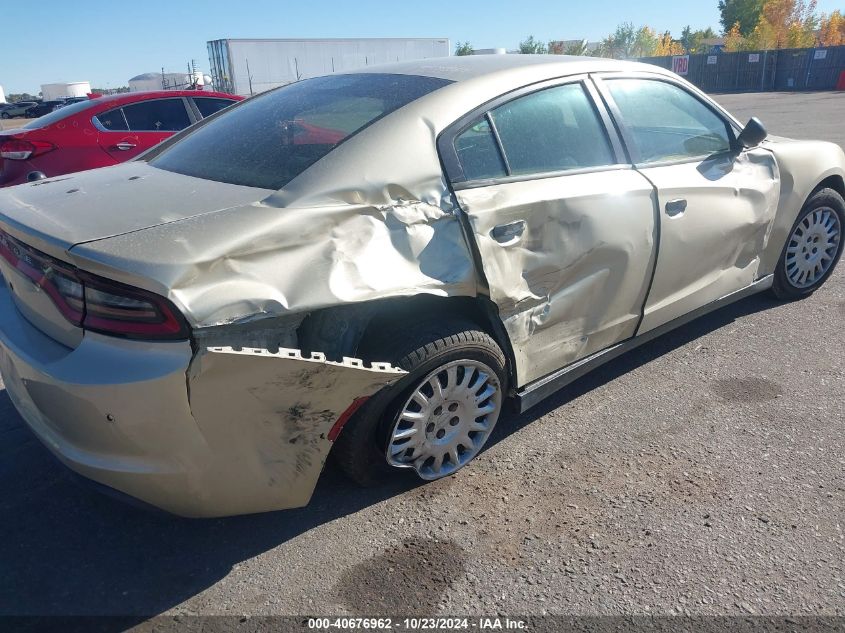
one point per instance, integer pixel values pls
(746, 25)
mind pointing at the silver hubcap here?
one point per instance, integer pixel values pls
(447, 419)
(812, 247)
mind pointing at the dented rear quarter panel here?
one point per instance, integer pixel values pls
(363, 223)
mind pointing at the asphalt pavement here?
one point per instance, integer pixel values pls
(703, 473)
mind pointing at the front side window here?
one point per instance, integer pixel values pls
(666, 122)
(555, 129)
(272, 138)
(158, 115)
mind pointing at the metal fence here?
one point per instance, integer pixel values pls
(747, 71)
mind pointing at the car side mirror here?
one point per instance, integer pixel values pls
(752, 134)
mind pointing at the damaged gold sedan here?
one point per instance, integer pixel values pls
(375, 263)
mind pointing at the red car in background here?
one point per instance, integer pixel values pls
(101, 132)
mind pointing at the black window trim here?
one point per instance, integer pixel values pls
(732, 126)
(192, 118)
(452, 164)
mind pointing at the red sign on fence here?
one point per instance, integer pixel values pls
(680, 64)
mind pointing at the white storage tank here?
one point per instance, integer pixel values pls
(158, 81)
(51, 92)
(2, 95)
(245, 67)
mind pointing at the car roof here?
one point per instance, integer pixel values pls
(141, 95)
(465, 67)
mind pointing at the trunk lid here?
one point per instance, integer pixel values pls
(51, 216)
(54, 214)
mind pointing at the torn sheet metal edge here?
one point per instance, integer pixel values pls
(316, 357)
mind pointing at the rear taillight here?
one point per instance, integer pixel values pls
(114, 308)
(21, 149)
(95, 303)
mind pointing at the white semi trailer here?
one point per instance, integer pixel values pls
(249, 66)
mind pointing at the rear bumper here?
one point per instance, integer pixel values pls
(114, 411)
(252, 436)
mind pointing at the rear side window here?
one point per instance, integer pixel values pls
(272, 138)
(666, 122)
(112, 120)
(158, 115)
(209, 105)
(555, 129)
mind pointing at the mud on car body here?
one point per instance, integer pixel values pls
(374, 263)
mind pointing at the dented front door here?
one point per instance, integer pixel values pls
(716, 201)
(715, 220)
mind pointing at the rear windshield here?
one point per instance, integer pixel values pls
(57, 115)
(269, 140)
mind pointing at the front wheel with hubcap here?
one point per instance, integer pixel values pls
(436, 418)
(813, 247)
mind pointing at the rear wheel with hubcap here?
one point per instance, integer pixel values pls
(446, 420)
(436, 418)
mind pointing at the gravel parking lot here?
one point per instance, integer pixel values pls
(10, 124)
(703, 473)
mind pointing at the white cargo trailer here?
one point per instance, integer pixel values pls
(245, 67)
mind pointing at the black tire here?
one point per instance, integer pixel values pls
(782, 287)
(360, 448)
(4, 115)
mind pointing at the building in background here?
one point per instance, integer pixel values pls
(52, 92)
(245, 66)
(2, 95)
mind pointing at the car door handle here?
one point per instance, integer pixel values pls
(124, 146)
(676, 207)
(504, 233)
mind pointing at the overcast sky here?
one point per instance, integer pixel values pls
(107, 42)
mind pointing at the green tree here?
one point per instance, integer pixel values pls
(618, 43)
(645, 42)
(463, 48)
(576, 48)
(693, 41)
(573, 47)
(746, 13)
(530, 46)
